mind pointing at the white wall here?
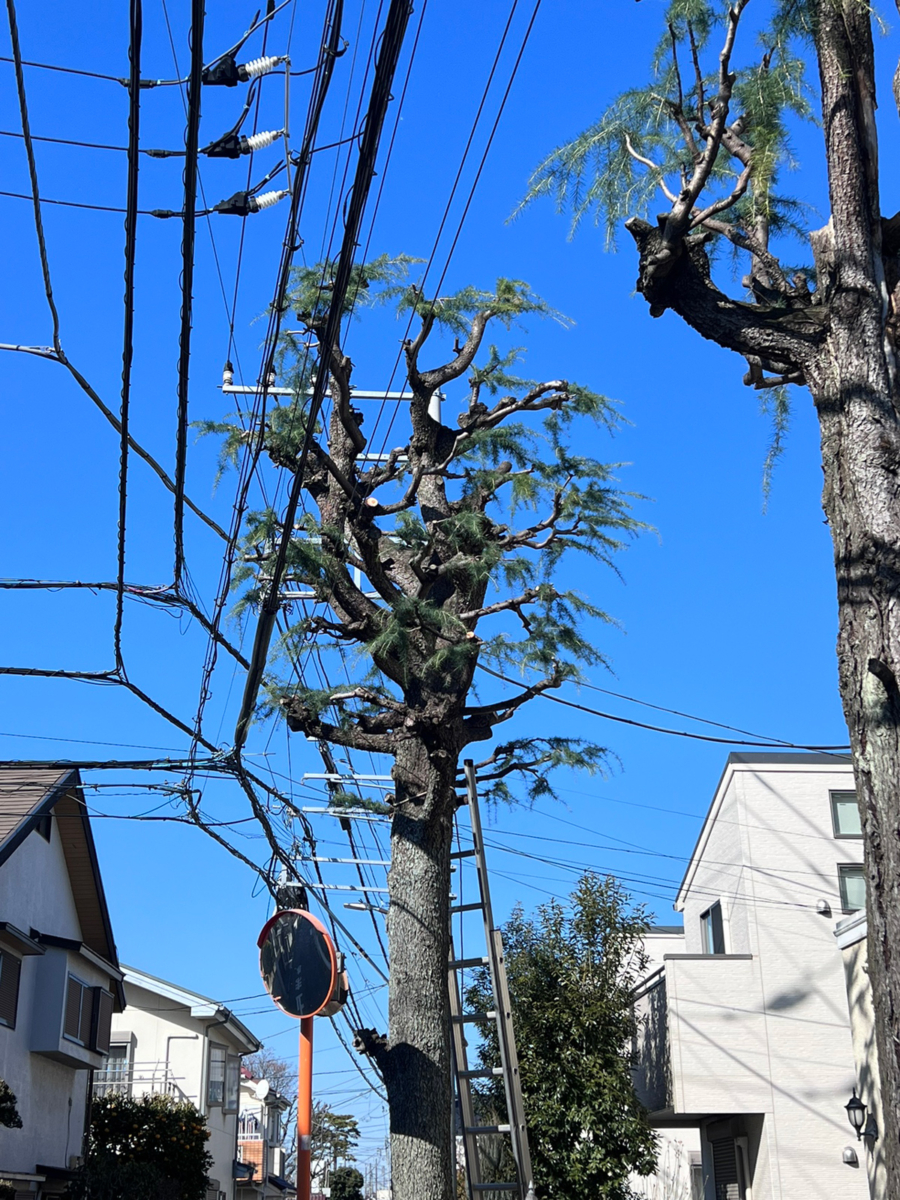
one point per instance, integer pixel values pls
(163, 1032)
(780, 1019)
(35, 893)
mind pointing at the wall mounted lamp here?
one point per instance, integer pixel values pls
(856, 1115)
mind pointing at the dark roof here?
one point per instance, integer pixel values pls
(26, 795)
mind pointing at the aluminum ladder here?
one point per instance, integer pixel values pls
(501, 1013)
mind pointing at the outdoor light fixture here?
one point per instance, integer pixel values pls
(849, 1156)
(856, 1114)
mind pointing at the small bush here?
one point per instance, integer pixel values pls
(146, 1148)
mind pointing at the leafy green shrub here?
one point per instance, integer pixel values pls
(7, 1190)
(346, 1184)
(146, 1148)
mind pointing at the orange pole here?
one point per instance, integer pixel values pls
(304, 1110)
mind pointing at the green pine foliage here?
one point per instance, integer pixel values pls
(347, 1184)
(146, 1148)
(9, 1114)
(571, 972)
(459, 539)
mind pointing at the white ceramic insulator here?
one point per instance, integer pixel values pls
(259, 141)
(267, 199)
(260, 66)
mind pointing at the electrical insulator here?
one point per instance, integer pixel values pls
(270, 379)
(259, 66)
(227, 375)
(228, 73)
(233, 145)
(241, 204)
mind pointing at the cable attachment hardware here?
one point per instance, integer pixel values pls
(229, 73)
(242, 204)
(233, 145)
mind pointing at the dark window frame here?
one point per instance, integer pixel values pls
(844, 871)
(712, 923)
(220, 1103)
(10, 962)
(839, 794)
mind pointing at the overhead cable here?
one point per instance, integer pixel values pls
(136, 19)
(192, 150)
(385, 69)
(699, 737)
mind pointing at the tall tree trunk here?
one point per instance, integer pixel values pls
(854, 387)
(417, 1062)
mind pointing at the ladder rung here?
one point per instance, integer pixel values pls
(478, 1129)
(463, 853)
(485, 1073)
(458, 908)
(460, 964)
(466, 1018)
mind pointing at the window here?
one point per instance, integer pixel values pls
(845, 815)
(10, 966)
(88, 1015)
(713, 930)
(232, 1082)
(215, 1092)
(79, 1015)
(115, 1077)
(853, 887)
(45, 826)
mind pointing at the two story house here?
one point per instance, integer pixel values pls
(744, 1036)
(261, 1136)
(173, 1041)
(60, 981)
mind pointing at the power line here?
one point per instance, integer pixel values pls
(192, 149)
(385, 68)
(700, 737)
(136, 28)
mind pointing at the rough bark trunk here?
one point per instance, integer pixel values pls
(844, 346)
(417, 1062)
(853, 385)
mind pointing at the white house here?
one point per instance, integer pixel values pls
(745, 1034)
(260, 1140)
(177, 1042)
(60, 981)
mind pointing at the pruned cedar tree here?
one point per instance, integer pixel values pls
(709, 135)
(442, 558)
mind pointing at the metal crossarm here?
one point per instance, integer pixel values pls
(494, 960)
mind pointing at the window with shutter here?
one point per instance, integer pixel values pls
(72, 1022)
(10, 967)
(103, 1007)
(725, 1169)
(86, 1025)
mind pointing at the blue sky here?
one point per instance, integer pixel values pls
(725, 611)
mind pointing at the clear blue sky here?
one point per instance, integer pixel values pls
(726, 611)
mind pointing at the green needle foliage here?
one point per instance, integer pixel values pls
(467, 523)
(571, 972)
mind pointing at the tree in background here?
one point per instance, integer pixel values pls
(9, 1114)
(708, 135)
(571, 974)
(151, 1148)
(347, 1184)
(463, 525)
(334, 1135)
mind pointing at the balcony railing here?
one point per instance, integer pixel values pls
(138, 1079)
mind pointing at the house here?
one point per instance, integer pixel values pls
(852, 938)
(174, 1041)
(60, 981)
(260, 1139)
(744, 1035)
